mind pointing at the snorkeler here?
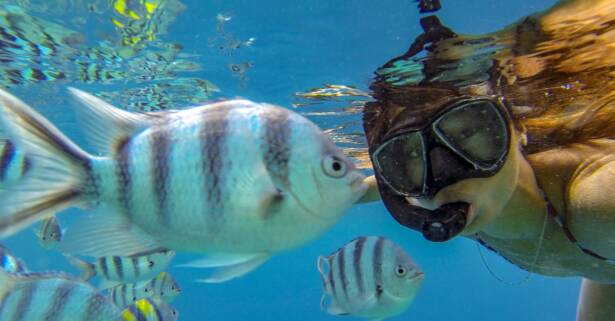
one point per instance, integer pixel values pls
(506, 138)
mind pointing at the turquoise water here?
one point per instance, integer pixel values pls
(300, 45)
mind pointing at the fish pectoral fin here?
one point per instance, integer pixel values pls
(334, 309)
(104, 232)
(227, 272)
(268, 201)
(107, 125)
(259, 195)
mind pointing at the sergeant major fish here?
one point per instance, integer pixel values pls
(50, 233)
(235, 179)
(370, 277)
(163, 287)
(125, 269)
(52, 296)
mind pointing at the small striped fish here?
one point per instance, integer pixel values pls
(9, 262)
(370, 277)
(149, 310)
(163, 286)
(52, 296)
(125, 269)
(232, 178)
(50, 233)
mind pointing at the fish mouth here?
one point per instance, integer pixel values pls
(358, 186)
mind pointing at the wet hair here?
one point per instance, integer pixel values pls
(555, 70)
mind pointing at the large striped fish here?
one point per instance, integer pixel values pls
(52, 296)
(370, 277)
(235, 179)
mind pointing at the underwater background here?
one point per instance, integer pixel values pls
(269, 51)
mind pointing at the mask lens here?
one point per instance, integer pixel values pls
(401, 162)
(477, 131)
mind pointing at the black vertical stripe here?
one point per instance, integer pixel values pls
(25, 165)
(23, 305)
(94, 304)
(119, 268)
(61, 296)
(357, 253)
(341, 266)
(104, 269)
(377, 263)
(92, 181)
(114, 291)
(157, 309)
(8, 152)
(124, 176)
(213, 134)
(331, 277)
(277, 146)
(160, 150)
(136, 312)
(135, 266)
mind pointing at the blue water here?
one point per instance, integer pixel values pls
(300, 45)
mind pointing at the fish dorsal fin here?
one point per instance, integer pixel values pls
(106, 233)
(106, 126)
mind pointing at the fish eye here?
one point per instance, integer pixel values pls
(150, 264)
(400, 271)
(334, 167)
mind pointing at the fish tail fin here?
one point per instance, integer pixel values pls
(88, 269)
(59, 172)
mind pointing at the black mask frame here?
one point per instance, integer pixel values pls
(452, 163)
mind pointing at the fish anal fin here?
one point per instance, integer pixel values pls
(228, 272)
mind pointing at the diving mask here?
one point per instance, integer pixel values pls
(468, 139)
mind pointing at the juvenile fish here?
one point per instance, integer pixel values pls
(50, 233)
(11, 263)
(235, 179)
(150, 310)
(370, 277)
(163, 286)
(125, 269)
(52, 296)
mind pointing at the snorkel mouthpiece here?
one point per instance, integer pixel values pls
(445, 222)
(439, 225)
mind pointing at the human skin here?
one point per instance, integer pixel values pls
(576, 180)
